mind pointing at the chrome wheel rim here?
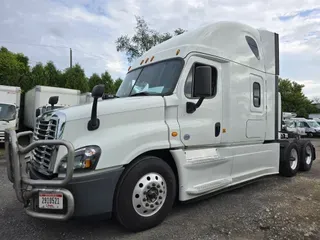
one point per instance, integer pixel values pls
(308, 155)
(149, 194)
(293, 159)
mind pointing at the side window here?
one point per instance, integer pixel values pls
(253, 46)
(256, 94)
(189, 83)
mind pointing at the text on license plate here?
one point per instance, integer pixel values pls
(51, 200)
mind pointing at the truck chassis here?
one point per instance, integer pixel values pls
(295, 155)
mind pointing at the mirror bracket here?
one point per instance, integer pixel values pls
(192, 107)
(93, 126)
(94, 121)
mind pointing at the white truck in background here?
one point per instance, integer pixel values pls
(9, 108)
(36, 101)
(196, 114)
(86, 98)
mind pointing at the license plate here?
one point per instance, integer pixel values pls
(51, 200)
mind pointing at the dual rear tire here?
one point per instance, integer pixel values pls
(295, 156)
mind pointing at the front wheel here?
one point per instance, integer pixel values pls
(310, 135)
(145, 194)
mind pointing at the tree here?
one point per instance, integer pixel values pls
(94, 80)
(75, 78)
(116, 85)
(143, 39)
(14, 69)
(293, 99)
(38, 75)
(52, 74)
(108, 82)
(316, 100)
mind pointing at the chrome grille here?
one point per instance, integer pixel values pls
(42, 155)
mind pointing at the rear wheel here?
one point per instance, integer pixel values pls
(306, 156)
(289, 160)
(145, 194)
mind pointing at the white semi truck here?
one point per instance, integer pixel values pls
(9, 108)
(194, 115)
(37, 101)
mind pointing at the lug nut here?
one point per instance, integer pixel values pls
(158, 186)
(160, 197)
(157, 203)
(144, 199)
(151, 206)
(160, 191)
(147, 204)
(153, 184)
(148, 187)
(144, 192)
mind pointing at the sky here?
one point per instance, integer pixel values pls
(91, 27)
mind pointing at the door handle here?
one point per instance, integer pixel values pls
(217, 129)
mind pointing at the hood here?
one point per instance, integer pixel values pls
(4, 124)
(112, 106)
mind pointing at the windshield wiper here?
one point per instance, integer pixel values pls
(108, 96)
(140, 94)
(4, 120)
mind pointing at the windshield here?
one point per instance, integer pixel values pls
(313, 124)
(7, 112)
(156, 79)
(290, 123)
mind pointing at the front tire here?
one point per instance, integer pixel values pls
(145, 194)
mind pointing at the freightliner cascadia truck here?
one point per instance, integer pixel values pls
(196, 114)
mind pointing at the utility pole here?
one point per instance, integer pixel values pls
(70, 58)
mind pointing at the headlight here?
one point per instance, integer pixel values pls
(86, 158)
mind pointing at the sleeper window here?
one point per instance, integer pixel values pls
(253, 46)
(256, 94)
(189, 82)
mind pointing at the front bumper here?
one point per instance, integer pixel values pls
(83, 193)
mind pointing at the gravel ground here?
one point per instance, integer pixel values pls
(271, 208)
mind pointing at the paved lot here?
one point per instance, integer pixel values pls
(272, 208)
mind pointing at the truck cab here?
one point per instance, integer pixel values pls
(9, 108)
(195, 114)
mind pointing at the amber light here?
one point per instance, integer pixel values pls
(87, 163)
(174, 134)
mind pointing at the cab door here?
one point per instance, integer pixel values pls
(204, 126)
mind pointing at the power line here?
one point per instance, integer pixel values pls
(34, 44)
(54, 46)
